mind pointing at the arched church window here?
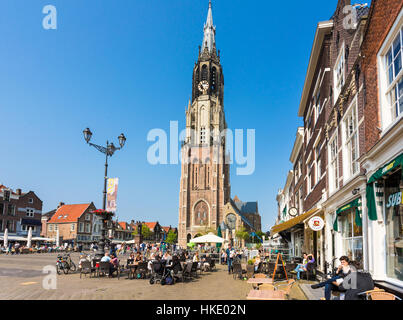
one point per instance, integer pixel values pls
(204, 72)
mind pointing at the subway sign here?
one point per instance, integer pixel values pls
(394, 200)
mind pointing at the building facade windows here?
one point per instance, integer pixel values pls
(81, 227)
(50, 227)
(394, 225)
(11, 210)
(30, 212)
(1, 208)
(351, 236)
(350, 137)
(72, 227)
(339, 74)
(26, 228)
(393, 63)
(334, 165)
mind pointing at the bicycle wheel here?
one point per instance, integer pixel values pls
(58, 268)
(65, 268)
(73, 267)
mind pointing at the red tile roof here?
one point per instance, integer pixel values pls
(151, 225)
(69, 213)
(123, 225)
(166, 229)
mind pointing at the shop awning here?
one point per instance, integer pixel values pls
(292, 222)
(356, 203)
(370, 195)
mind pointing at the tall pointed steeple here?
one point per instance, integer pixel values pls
(209, 31)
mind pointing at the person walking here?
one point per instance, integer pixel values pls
(230, 256)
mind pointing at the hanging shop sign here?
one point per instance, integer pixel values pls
(316, 223)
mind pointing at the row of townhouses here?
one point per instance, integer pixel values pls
(77, 224)
(347, 158)
(73, 223)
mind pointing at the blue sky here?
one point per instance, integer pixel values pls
(126, 66)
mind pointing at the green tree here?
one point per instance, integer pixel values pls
(172, 237)
(145, 232)
(242, 234)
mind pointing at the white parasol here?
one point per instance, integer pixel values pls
(6, 238)
(57, 237)
(29, 237)
(208, 238)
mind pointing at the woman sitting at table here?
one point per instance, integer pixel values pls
(114, 264)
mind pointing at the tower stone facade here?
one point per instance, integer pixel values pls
(204, 183)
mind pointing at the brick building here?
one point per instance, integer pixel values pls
(73, 223)
(205, 190)
(348, 170)
(19, 211)
(383, 210)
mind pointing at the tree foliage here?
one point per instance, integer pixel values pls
(172, 237)
(241, 233)
(145, 231)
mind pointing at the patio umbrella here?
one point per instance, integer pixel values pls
(208, 238)
(6, 238)
(57, 237)
(29, 237)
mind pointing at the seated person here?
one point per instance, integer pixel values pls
(114, 264)
(167, 257)
(301, 267)
(333, 283)
(257, 262)
(358, 281)
(83, 258)
(206, 262)
(106, 257)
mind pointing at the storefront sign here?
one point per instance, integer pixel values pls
(394, 200)
(316, 223)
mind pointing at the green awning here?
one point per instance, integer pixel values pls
(371, 203)
(353, 204)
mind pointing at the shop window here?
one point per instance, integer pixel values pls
(394, 225)
(351, 235)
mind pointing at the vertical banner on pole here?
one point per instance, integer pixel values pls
(111, 194)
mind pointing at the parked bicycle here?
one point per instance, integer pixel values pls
(65, 263)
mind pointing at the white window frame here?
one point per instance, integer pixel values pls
(72, 227)
(338, 83)
(333, 171)
(50, 227)
(30, 200)
(56, 227)
(351, 167)
(87, 228)
(30, 212)
(81, 227)
(87, 217)
(388, 116)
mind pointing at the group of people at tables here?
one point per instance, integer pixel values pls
(170, 261)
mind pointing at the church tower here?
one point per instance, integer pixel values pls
(204, 184)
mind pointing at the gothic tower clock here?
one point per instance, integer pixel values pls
(204, 183)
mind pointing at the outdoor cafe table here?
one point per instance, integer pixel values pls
(260, 280)
(265, 295)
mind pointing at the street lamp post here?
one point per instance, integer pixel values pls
(109, 150)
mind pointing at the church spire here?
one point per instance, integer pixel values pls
(209, 32)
